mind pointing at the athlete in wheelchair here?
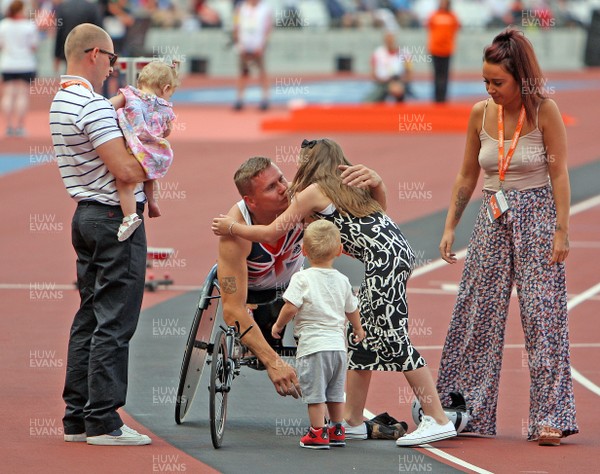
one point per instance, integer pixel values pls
(248, 274)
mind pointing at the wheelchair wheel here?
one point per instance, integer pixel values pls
(194, 358)
(218, 388)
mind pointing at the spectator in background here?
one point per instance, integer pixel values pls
(391, 70)
(163, 13)
(141, 11)
(339, 15)
(564, 18)
(253, 21)
(499, 12)
(543, 15)
(117, 18)
(18, 43)
(404, 15)
(443, 26)
(43, 14)
(69, 14)
(515, 13)
(207, 17)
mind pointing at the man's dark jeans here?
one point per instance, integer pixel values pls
(110, 277)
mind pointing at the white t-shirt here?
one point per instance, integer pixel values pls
(18, 40)
(254, 23)
(387, 65)
(323, 296)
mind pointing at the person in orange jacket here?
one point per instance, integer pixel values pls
(443, 26)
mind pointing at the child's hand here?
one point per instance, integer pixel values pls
(358, 334)
(222, 225)
(168, 129)
(118, 101)
(276, 331)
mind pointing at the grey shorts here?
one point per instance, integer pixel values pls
(322, 376)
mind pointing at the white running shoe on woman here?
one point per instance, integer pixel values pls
(428, 431)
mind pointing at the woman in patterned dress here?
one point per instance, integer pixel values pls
(525, 246)
(370, 236)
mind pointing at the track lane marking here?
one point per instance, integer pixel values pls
(572, 303)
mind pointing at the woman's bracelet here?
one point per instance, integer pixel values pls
(231, 228)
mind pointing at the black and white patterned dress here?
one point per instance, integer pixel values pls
(377, 241)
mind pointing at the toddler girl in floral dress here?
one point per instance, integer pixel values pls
(145, 116)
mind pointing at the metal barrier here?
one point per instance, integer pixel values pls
(131, 67)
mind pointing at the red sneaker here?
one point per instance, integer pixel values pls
(315, 439)
(337, 435)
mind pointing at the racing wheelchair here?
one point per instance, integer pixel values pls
(213, 343)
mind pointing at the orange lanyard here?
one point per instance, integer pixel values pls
(66, 84)
(503, 162)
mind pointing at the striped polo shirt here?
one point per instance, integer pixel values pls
(81, 121)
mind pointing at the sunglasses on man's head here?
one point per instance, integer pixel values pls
(113, 56)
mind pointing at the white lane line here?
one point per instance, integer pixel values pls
(581, 244)
(455, 460)
(38, 286)
(439, 263)
(587, 383)
(452, 289)
(572, 303)
(581, 297)
(585, 205)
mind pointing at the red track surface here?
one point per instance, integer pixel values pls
(210, 144)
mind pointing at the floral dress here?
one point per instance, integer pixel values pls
(144, 121)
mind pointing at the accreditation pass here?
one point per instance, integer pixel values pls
(497, 206)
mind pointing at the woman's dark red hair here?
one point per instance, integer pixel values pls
(514, 52)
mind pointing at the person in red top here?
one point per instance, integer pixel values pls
(442, 25)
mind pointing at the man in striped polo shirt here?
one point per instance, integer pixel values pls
(90, 152)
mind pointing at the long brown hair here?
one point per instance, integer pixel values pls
(319, 161)
(513, 51)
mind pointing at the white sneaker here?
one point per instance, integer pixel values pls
(355, 432)
(123, 436)
(428, 431)
(75, 438)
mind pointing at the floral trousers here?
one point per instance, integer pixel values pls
(512, 251)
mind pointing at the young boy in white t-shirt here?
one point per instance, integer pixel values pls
(321, 299)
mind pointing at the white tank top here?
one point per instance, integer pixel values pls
(528, 168)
